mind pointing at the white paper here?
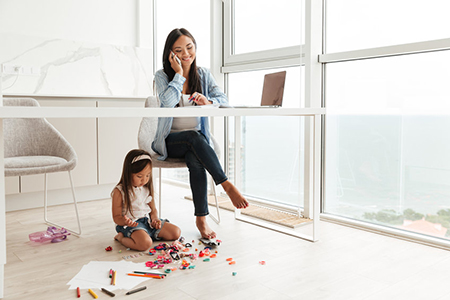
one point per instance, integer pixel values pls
(96, 275)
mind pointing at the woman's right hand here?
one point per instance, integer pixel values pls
(174, 64)
(129, 222)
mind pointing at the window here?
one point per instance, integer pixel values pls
(264, 25)
(387, 155)
(262, 34)
(359, 24)
(271, 147)
(264, 37)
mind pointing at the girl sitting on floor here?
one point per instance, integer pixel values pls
(133, 208)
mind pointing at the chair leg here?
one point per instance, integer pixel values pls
(74, 202)
(217, 220)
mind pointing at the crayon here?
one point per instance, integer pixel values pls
(114, 277)
(78, 292)
(110, 273)
(93, 294)
(108, 292)
(136, 290)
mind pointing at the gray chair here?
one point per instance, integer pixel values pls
(147, 131)
(34, 146)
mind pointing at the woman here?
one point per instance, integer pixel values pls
(182, 83)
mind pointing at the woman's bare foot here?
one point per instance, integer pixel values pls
(119, 237)
(235, 196)
(205, 231)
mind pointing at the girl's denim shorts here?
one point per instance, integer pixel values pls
(143, 224)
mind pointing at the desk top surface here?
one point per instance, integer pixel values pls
(123, 112)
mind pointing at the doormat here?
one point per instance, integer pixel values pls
(261, 212)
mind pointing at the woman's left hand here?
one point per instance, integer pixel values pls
(200, 99)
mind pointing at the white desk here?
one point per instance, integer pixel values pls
(79, 112)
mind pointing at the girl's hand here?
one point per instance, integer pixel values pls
(156, 223)
(129, 222)
(199, 99)
(174, 64)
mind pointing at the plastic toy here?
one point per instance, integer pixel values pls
(210, 242)
(52, 234)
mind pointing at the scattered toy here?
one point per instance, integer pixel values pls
(210, 242)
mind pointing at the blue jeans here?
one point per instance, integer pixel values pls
(200, 157)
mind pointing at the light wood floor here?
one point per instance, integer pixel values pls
(345, 264)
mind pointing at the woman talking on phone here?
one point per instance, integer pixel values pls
(181, 83)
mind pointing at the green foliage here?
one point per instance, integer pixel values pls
(385, 216)
(410, 214)
(390, 216)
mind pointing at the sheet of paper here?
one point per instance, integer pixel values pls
(96, 275)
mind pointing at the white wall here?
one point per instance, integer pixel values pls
(83, 48)
(96, 21)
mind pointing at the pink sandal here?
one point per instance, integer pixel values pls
(52, 234)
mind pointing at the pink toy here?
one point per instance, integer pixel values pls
(52, 234)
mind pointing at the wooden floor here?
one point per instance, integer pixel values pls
(345, 264)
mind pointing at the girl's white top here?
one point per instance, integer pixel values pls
(139, 202)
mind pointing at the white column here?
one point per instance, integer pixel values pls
(313, 90)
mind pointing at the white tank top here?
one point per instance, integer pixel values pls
(185, 123)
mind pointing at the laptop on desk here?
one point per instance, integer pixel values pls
(273, 90)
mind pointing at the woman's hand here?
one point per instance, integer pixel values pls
(129, 222)
(199, 99)
(174, 64)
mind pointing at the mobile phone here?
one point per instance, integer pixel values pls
(176, 58)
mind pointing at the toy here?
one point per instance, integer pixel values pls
(109, 248)
(210, 242)
(52, 234)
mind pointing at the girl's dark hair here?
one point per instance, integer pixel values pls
(130, 168)
(194, 83)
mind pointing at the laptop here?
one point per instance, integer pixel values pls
(273, 90)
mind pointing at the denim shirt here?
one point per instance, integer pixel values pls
(169, 94)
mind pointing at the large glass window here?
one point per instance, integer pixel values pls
(261, 31)
(265, 24)
(271, 147)
(387, 142)
(264, 37)
(359, 24)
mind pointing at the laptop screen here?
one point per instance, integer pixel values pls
(273, 89)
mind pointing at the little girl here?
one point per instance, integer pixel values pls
(133, 208)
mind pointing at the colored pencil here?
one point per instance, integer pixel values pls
(78, 292)
(114, 277)
(147, 275)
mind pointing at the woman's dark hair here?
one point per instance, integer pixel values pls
(194, 83)
(130, 168)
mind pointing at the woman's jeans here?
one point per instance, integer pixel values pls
(199, 156)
